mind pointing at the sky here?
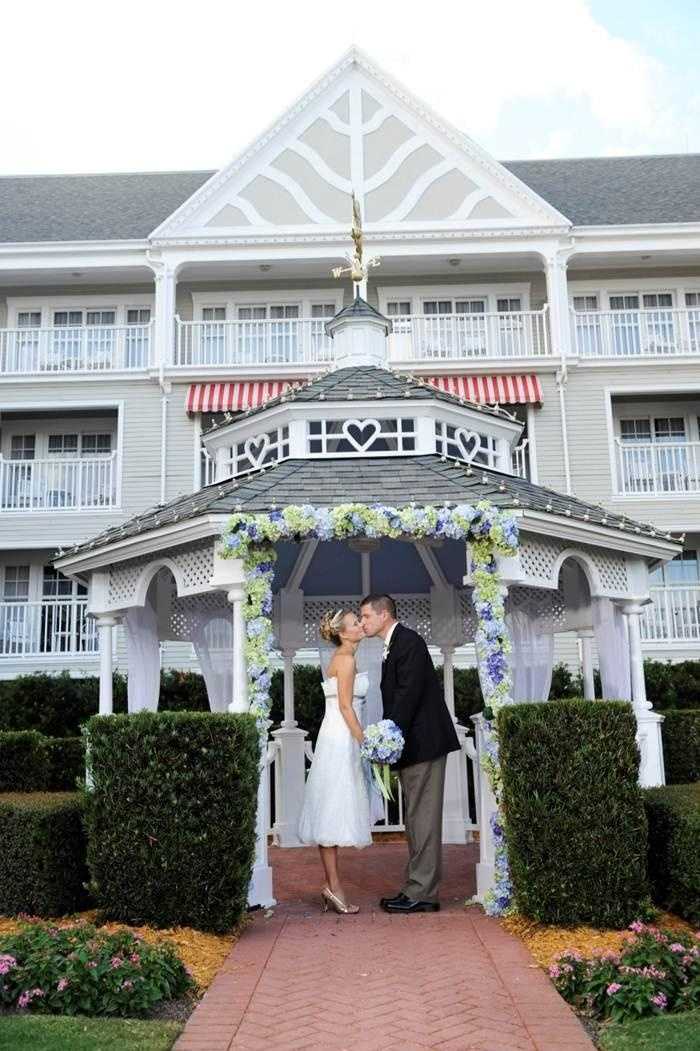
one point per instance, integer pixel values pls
(158, 85)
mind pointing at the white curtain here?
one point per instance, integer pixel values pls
(212, 638)
(532, 656)
(613, 650)
(143, 657)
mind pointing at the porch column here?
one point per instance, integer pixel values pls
(586, 638)
(455, 814)
(290, 739)
(105, 626)
(164, 322)
(558, 303)
(651, 761)
(239, 701)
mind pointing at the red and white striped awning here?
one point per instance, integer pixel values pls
(519, 389)
(235, 396)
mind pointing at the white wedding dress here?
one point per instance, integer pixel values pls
(336, 810)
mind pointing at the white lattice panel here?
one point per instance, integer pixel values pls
(544, 606)
(612, 570)
(195, 563)
(123, 579)
(538, 557)
(184, 612)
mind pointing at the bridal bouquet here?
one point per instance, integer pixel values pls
(382, 745)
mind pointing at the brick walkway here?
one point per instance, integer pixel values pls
(453, 980)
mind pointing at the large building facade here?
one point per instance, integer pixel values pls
(137, 308)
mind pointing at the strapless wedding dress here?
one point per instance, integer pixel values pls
(336, 803)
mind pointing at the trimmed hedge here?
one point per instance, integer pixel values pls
(42, 861)
(680, 732)
(171, 817)
(31, 762)
(673, 813)
(574, 816)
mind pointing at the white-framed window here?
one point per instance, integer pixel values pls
(23, 446)
(653, 429)
(268, 311)
(509, 305)
(213, 313)
(29, 319)
(398, 307)
(260, 449)
(67, 318)
(100, 317)
(323, 310)
(683, 569)
(461, 444)
(55, 585)
(16, 583)
(476, 305)
(138, 315)
(584, 304)
(366, 436)
(90, 444)
(98, 444)
(63, 444)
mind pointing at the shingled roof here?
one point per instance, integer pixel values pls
(394, 480)
(590, 191)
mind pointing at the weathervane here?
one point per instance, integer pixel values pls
(358, 268)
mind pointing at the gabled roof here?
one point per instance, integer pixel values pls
(393, 480)
(367, 383)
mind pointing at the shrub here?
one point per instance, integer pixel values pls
(42, 861)
(655, 972)
(55, 705)
(171, 817)
(673, 813)
(574, 816)
(24, 761)
(66, 762)
(82, 970)
(680, 733)
(182, 691)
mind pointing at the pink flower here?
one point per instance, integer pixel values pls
(63, 984)
(613, 988)
(659, 1001)
(92, 964)
(7, 962)
(135, 958)
(554, 971)
(677, 947)
(127, 984)
(24, 998)
(687, 960)
(117, 961)
(637, 926)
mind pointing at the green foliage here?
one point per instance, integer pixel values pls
(56, 705)
(574, 816)
(171, 817)
(24, 761)
(673, 813)
(60, 1033)
(182, 691)
(674, 1033)
(656, 971)
(309, 702)
(680, 733)
(42, 861)
(82, 970)
(66, 762)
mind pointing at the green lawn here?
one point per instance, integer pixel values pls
(679, 1032)
(44, 1033)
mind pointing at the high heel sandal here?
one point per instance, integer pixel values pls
(329, 898)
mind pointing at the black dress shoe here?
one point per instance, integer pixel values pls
(407, 906)
(396, 900)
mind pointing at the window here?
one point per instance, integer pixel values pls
(55, 585)
(506, 306)
(669, 428)
(214, 314)
(585, 303)
(96, 444)
(138, 315)
(63, 318)
(624, 302)
(635, 430)
(657, 300)
(683, 569)
(29, 319)
(100, 317)
(16, 586)
(22, 446)
(324, 310)
(63, 445)
(398, 308)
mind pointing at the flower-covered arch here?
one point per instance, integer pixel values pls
(488, 531)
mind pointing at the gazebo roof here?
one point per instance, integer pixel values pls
(392, 480)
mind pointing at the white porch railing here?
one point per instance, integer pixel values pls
(636, 333)
(430, 337)
(287, 341)
(58, 484)
(674, 615)
(648, 468)
(51, 628)
(85, 348)
(520, 458)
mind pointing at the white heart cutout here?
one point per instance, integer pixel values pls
(468, 443)
(361, 426)
(256, 448)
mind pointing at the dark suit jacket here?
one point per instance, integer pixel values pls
(412, 696)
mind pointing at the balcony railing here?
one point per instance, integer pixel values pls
(636, 333)
(651, 468)
(58, 484)
(87, 348)
(674, 615)
(445, 337)
(520, 458)
(288, 341)
(52, 628)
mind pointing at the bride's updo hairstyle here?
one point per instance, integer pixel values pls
(330, 625)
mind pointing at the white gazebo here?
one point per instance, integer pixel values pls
(362, 433)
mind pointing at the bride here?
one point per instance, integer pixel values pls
(336, 810)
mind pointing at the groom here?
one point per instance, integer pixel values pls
(413, 698)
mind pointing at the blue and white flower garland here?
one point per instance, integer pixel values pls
(488, 531)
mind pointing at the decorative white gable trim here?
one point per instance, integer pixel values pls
(358, 128)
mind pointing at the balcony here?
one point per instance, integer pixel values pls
(456, 337)
(674, 615)
(51, 628)
(62, 350)
(658, 468)
(252, 344)
(59, 484)
(606, 334)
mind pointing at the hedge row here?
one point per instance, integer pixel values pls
(32, 762)
(42, 861)
(681, 740)
(171, 817)
(575, 822)
(673, 813)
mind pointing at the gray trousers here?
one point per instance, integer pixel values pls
(423, 786)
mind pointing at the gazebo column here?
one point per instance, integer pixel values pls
(486, 865)
(586, 636)
(239, 700)
(105, 630)
(290, 739)
(651, 763)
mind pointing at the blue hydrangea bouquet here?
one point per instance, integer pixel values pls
(382, 745)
